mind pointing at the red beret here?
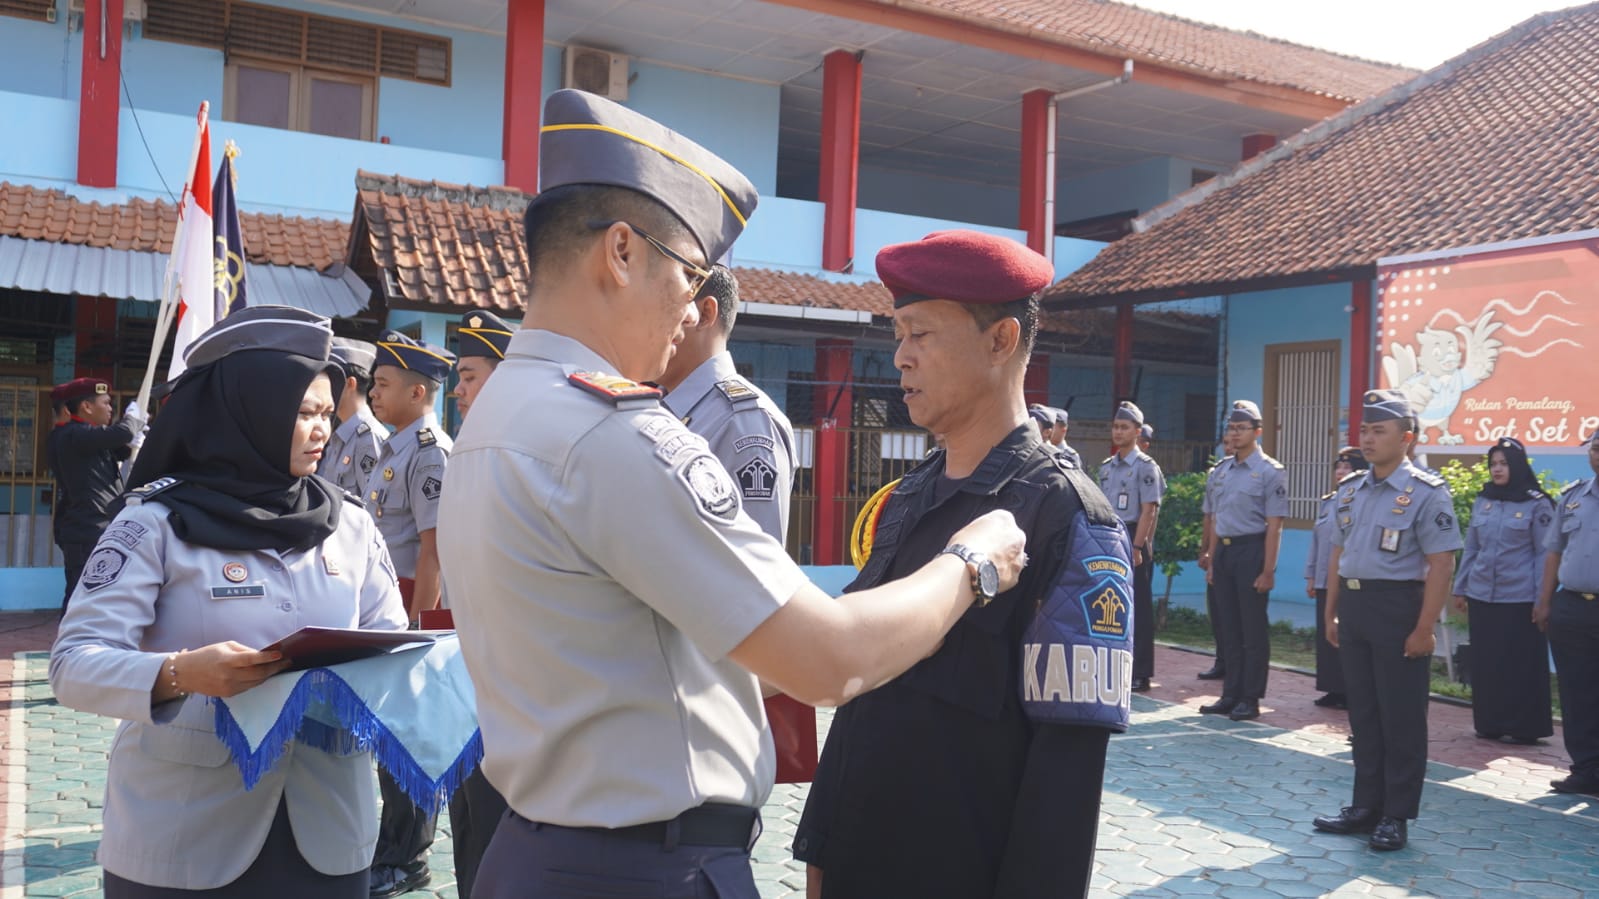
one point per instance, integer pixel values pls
(78, 389)
(964, 266)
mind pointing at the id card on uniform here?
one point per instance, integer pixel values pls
(1390, 540)
(1121, 502)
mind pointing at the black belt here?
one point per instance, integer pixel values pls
(1588, 597)
(712, 824)
(1369, 583)
(1243, 540)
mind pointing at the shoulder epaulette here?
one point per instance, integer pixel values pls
(425, 437)
(1273, 462)
(139, 494)
(1428, 478)
(1145, 457)
(352, 498)
(613, 389)
(1350, 477)
(1330, 495)
(1106, 461)
(363, 429)
(737, 390)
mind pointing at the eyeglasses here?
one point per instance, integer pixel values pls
(696, 275)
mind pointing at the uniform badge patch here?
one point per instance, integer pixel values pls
(611, 388)
(1108, 602)
(1402, 499)
(431, 487)
(757, 479)
(330, 565)
(1544, 518)
(388, 474)
(708, 481)
(1149, 480)
(235, 571)
(1444, 520)
(670, 449)
(127, 533)
(367, 462)
(425, 437)
(104, 567)
(736, 389)
(758, 441)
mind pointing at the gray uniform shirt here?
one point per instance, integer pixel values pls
(1387, 529)
(176, 810)
(1242, 495)
(403, 489)
(1576, 537)
(1321, 545)
(600, 568)
(352, 451)
(1130, 480)
(745, 430)
(1503, 558)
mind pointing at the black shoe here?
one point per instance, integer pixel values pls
(1140, 685)
(1222, 706)
(1350, 819)
(1524, 741)
(1576, 783)
(392, 880)
(1333, 701)
(1488, 735)
(1391, 834)
(1216, 672)
(1246, 710)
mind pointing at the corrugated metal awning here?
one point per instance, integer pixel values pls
(62, 268)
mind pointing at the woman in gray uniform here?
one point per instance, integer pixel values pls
(1496, 584)
(231, 543)
(1329, 670)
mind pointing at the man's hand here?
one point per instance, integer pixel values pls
(224, 669)
(1265, 581)
(1540, 614)
(1310, 588)
(1458, 602)
(995, 535)
(1331, 620)
(1419, 644)
(134, 414)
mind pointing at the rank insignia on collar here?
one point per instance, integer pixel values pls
(1488, 504)
(330, 566)
(612, 388)
(1402, 499)
(1573, 504)
(345, 461)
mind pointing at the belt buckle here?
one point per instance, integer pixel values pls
(1589, 596)
(1226, 541)
(1353, 583)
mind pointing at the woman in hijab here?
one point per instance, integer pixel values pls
(1329, 669)
(1496, 584)
(231, 543)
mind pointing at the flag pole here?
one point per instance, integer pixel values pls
(164, 313)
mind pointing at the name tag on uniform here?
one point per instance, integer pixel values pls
(1390, 540)
(1121, 502)
(243, 591)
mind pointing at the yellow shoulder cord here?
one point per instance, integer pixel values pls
(865, 529)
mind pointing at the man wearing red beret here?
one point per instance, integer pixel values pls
(85, 453)
(938, 783)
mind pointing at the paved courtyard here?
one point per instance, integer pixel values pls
(1194, 805)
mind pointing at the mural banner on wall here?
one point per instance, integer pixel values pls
(1495, 341)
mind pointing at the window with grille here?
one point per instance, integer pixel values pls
(38, 10)
(278, 35)
(1300, 411)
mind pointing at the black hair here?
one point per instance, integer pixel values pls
(559, 221)
(1024, 310)
(722, 286)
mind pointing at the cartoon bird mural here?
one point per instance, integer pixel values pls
(1435, 378)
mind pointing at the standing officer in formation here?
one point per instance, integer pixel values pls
(353, 449)
(1393, 554)
(483, 338)
(86, 452)
(403, 492)
(1329, 669)
(1133, 483)
(1568, 610)
(1146, 436)
(745, 429)
(1246, 500)
(476, 808)
(1058, 437)
(616, 665)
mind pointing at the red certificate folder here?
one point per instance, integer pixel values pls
(318, 647)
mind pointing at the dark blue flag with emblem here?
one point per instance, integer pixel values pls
(227, 250)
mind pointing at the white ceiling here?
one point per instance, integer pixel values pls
(927, 105)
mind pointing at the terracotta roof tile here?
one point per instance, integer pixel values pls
(1105, 27)
(36, 213)
(1497, 144)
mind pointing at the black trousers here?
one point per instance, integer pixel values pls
(1574, 640)
(1329, 669)
(1144, 618)
(527, 860)
(1215, 622)
(1387, 696)
(1242, 639)
(475, 812)
(73, 557)
(404, 833)
(1509, 671)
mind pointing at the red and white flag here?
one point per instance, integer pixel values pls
(192, 254)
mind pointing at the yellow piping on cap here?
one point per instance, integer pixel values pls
(479, 332)
(664, 152)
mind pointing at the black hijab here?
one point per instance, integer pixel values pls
(1523, 483)
(225, 434)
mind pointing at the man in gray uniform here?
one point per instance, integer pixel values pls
(353, 449)
(1058, 437)
(1133, 483)
(1570, 615)
(1246, 500)
(1394, 546)
(746, 430)
(403, 493)
(483, 338)
(615, 604)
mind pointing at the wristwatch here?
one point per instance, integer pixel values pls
(985, 577)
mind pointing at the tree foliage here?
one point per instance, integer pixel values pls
(1465, 481)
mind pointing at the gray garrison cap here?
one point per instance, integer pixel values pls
(356, 356)
(282, 328)
(483, 334)
(587, 139)
(1147, 432)
(1386, 405)
(1244, 410)
(1061, 416)
(1126, 410)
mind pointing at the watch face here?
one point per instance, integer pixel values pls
(988, 578)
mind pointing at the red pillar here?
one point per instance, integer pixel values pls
(1360, 349)
(94, 325)
(1035, 387)
(524, 74)
(1122, 373)
(1256, 144)
(99, 92)
(841, 150)
(1035, 178)
(834, 408)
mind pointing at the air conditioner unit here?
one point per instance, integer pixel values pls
(596, 71)
(132, 10)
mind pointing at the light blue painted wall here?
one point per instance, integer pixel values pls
(1291, 315)
(736, 120)
(875, 230)
(783, 232)
(33, 56)
(940, 198)
(1141, 186)
(31, 588)
(163, 76)
(50, 152)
